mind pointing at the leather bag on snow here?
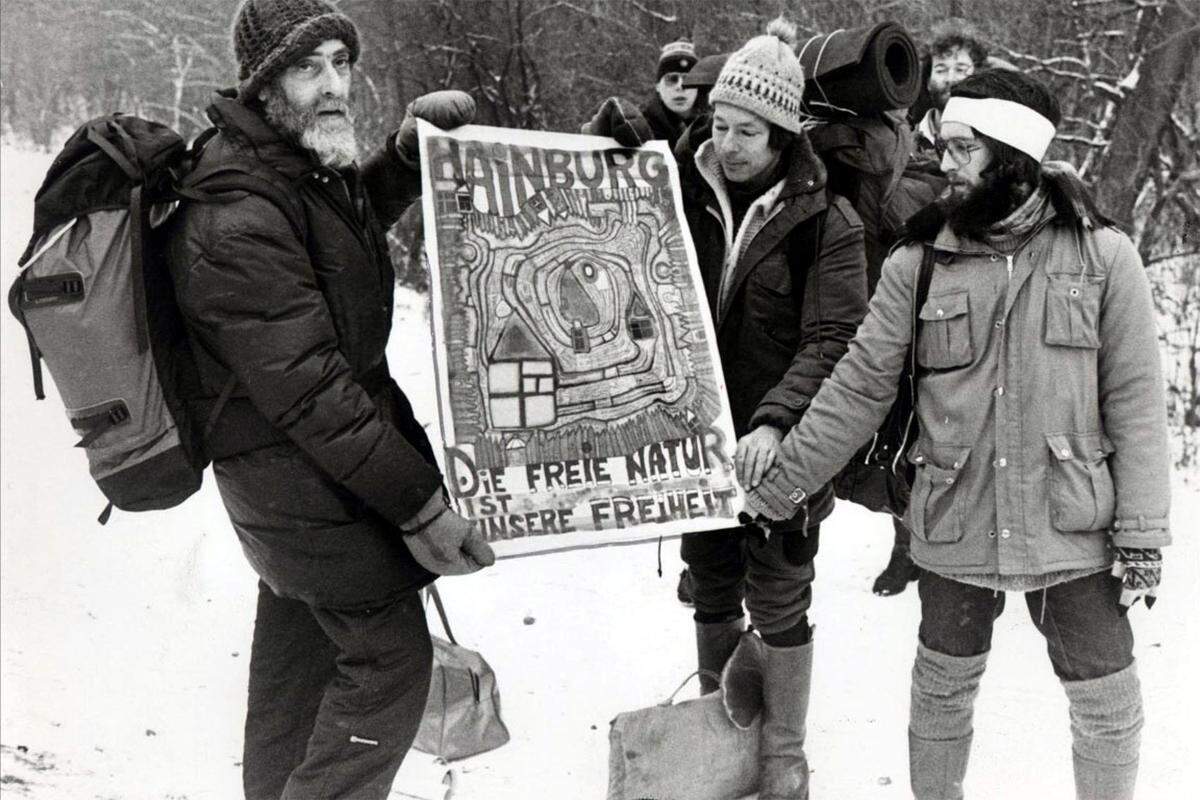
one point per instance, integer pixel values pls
(462, 715)
(681, 751)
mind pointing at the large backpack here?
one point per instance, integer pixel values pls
(868, 161)
(98, 306)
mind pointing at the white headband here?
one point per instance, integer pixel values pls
(1005, 121)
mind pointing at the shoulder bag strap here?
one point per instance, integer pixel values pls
(432, 592)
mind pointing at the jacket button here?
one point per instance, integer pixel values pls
(941, 313)
(1066, 452)
(991, 534)
(949, 481)
(919, 459)
(1005, 533)
(1002, 462)
(999, 323)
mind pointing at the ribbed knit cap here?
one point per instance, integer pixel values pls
(676, 57)
(269, 35)
(765, 77)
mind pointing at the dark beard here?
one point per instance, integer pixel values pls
(983, 206)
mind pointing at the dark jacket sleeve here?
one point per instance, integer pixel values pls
(853, 403)
(835, 302)
(391, 183)
(252, 300)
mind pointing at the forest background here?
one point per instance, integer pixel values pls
(1126, 73)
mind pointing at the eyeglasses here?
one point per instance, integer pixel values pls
(672, 78)
(959, 149)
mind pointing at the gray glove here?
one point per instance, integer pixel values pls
(446, 543)
(621, 120)
(446, 109)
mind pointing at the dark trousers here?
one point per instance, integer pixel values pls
(773, 576)
(335, 698)
(1086, 635)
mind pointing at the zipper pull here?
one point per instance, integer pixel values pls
(1010, 265)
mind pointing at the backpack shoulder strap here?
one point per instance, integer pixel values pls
(225, 182)
(908, 378)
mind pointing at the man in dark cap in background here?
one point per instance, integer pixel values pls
(328, 478)
(673, 105)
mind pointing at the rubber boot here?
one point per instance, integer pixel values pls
(898, 573)
(1106, 725)
(939, 729)
(787, 679)
(715, 642)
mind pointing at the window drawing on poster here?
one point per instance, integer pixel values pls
(580, 390)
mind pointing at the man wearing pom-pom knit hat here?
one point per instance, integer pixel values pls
(785, 272)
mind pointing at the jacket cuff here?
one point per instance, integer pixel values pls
(781, 494)
(1141, 531)
(778, 416)
(396, 481)
(393, 152)
(433, 508)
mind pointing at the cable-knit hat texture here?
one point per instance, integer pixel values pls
(677, 56)
(268, 35)
(765, 77)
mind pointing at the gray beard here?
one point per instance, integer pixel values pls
(331, 139)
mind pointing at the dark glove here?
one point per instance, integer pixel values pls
(444, 542)
(620, 120)
(446, 109)
(1140, 571)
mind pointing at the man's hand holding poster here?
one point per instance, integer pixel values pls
(579, 387)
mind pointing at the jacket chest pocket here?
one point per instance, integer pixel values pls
(772, 303)
(1073, 311)
(945, 338)
(1082, 497)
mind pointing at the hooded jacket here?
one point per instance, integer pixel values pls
(318, 456)
(1040, 400)
(786, 289)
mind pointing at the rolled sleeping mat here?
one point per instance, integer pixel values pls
(860, 70)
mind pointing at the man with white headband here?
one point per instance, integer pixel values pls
(1040, 465)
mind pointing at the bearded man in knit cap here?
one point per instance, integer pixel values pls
(1041, 463)
(328, 478)
(784, 268)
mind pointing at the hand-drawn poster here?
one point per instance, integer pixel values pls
(580, 391)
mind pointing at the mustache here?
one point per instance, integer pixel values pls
(333, 106)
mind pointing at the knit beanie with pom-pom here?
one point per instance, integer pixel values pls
(269, 35)
(765, 77)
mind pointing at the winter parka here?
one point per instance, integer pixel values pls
(317, 455)
(1040, 400)
(796, 288)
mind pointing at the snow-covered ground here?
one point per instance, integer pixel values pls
(124, 648)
